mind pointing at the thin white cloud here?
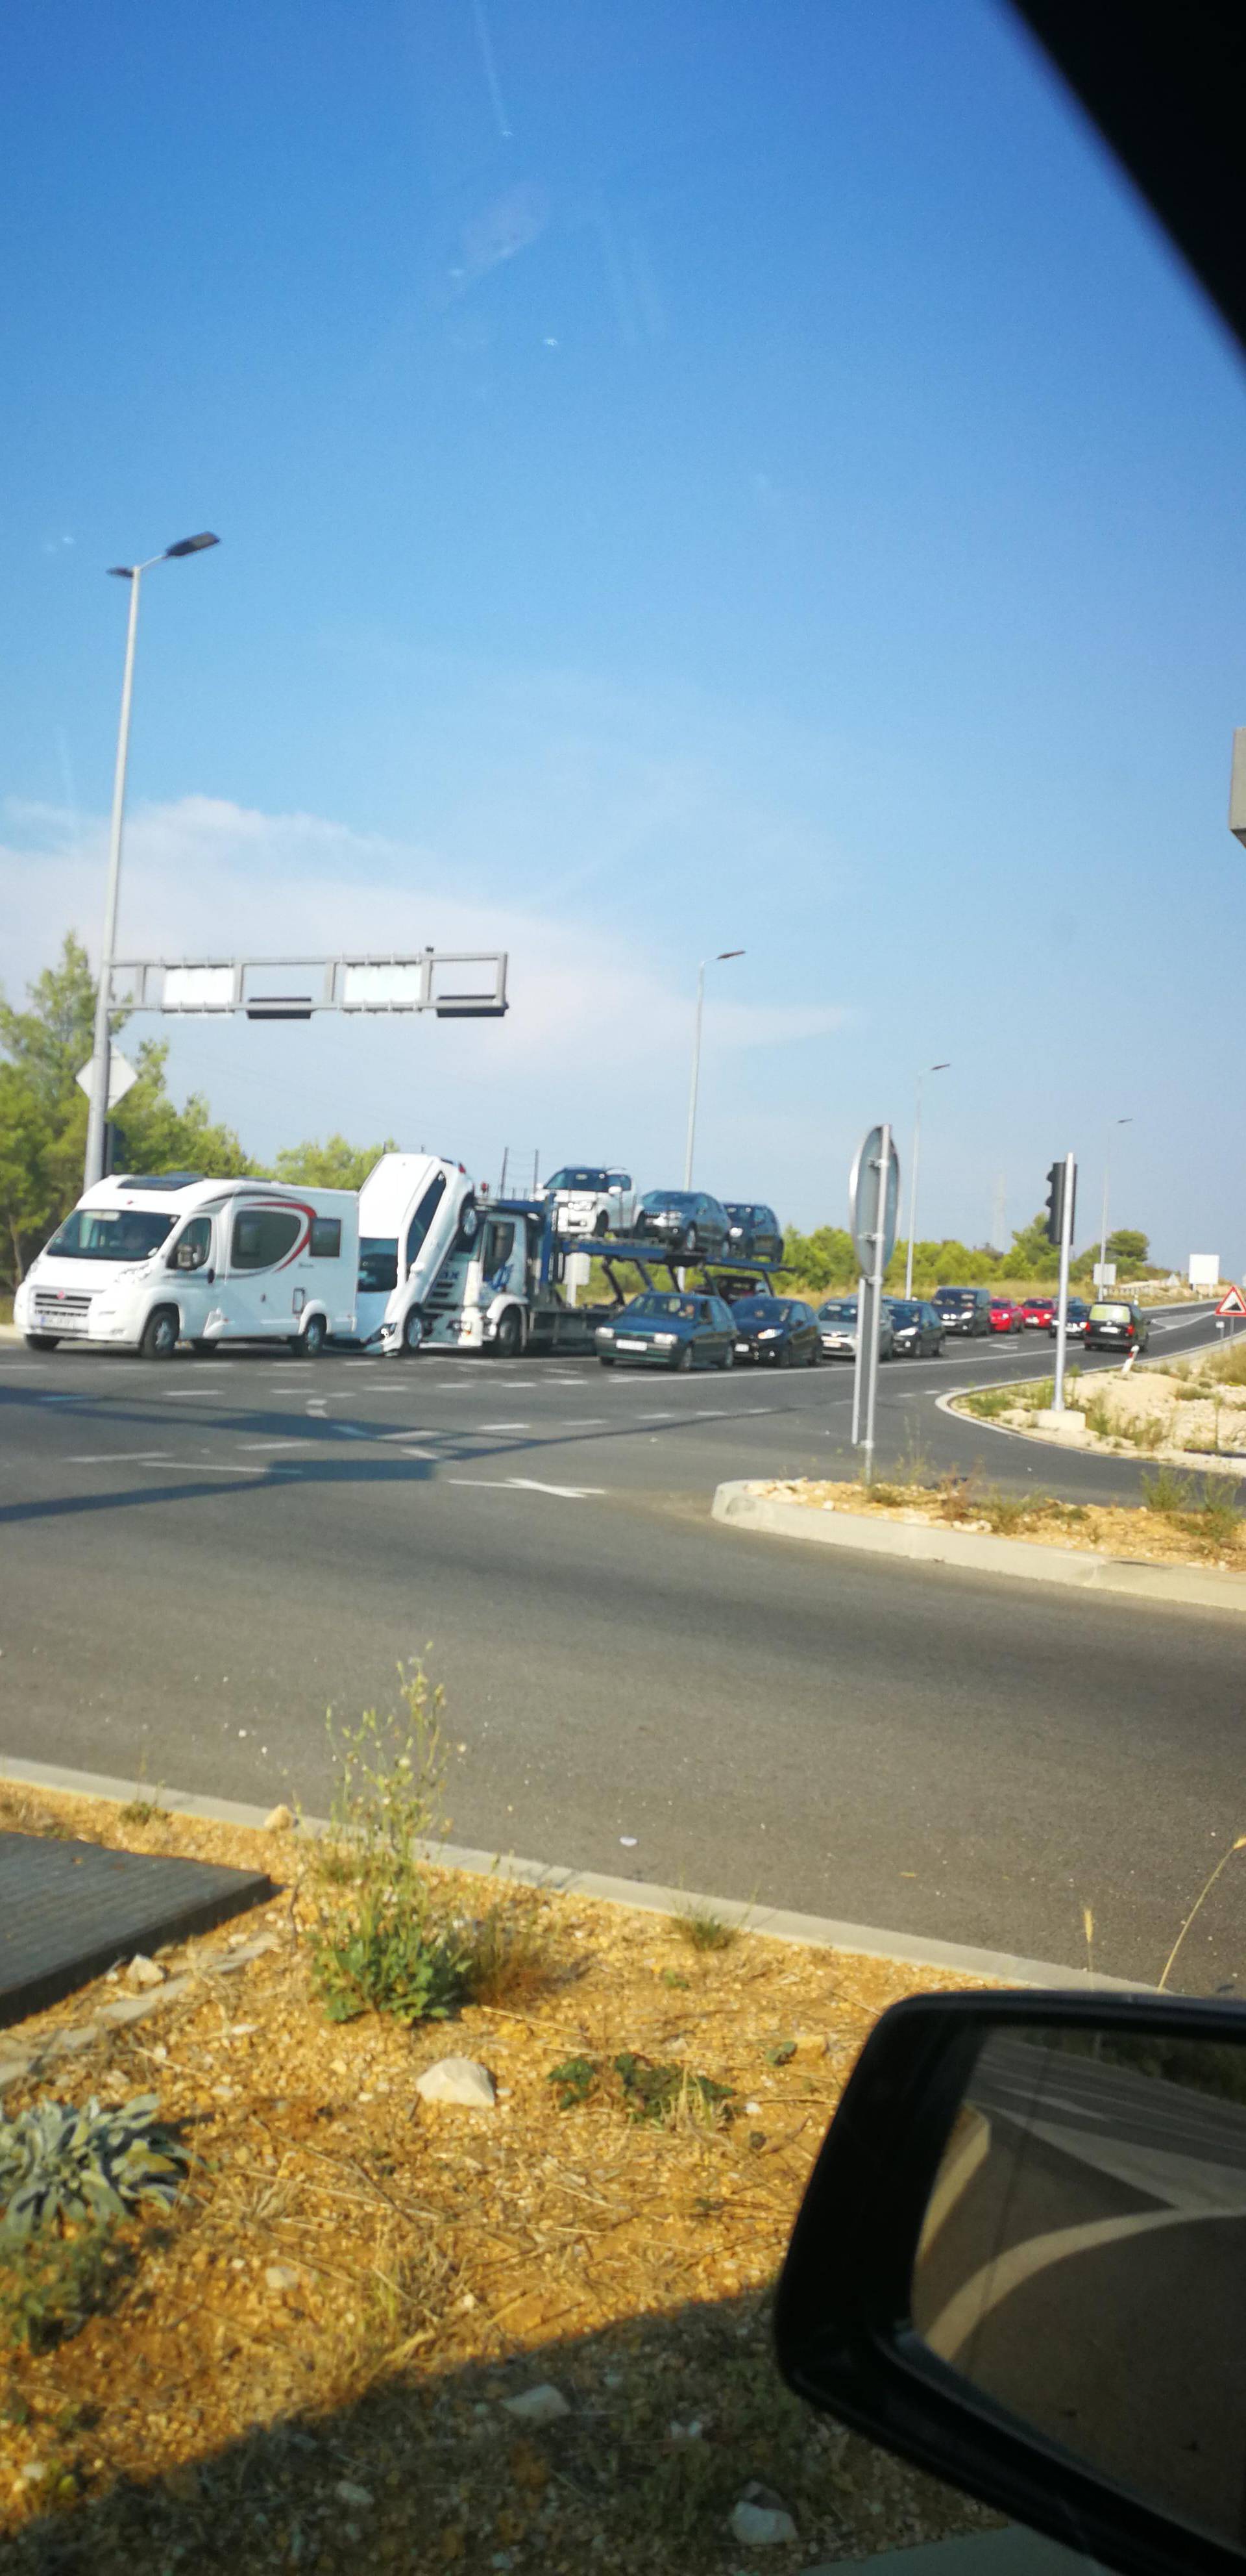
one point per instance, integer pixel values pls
(595, 1022)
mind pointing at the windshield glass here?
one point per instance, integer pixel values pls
(655, 1200)
(1110, 1314)
(954, 1297)
(657, 1303)
(572, 1179)
(904, 1310)
(378, 1262)
(110, 1234)
(839, 1310)
(762, 1310)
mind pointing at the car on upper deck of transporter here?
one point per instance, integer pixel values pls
(589, 1198)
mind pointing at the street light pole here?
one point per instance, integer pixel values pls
(97, 1114)
(917, 1138)
(1103, 1230)
(719, 960)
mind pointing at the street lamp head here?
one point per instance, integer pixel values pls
(942, 1068)
(725, 953)
(192, 545)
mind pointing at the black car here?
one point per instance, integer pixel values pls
(1077, 1317)
(684, 1220)
(963, 1310)
(753, 1230)
(670, 1328)
(1113, 1325)
(917, 1328)
(782, 1329)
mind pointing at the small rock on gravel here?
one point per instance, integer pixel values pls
(349, 2493)
(143, 1971)
(460, 2080)
(281, 2276)
(760, 2521)
(278, 1820)
(543, 2404)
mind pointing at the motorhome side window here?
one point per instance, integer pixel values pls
(263, 1236)
(424, 1215)
(326, 1238)
(193, 1245)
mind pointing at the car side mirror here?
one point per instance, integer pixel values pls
(1021, 2263)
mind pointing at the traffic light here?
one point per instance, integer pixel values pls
(1056, 1179)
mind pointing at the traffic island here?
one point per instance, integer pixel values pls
(1185, 1548)
(1189, 1414)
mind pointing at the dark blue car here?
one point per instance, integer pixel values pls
(670, 1328)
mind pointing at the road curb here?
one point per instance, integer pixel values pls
(811, 1931)
(742, 1507)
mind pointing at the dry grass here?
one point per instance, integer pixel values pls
(1180, 1521)
(353, 2280)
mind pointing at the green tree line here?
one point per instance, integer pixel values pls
(825, 1260)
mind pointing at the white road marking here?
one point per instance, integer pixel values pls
(119, 1457)
(275, 1444)
(504, 1426)
(528, 1485)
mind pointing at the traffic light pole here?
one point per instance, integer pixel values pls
(1062, 1309)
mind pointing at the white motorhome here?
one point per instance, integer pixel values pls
(415, 1212)
(151, 1259)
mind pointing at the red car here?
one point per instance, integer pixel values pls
(1005, 1317)
(1038, 1314)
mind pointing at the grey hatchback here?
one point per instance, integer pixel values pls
(684, 1220)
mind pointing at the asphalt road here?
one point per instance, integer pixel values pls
(198, 1559)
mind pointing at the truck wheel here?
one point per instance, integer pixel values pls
(413, 1331)
(602, 1225)
(41, 1341)
(683, 1359)
(606, 1359)
(158, 1339)
(309, 1344)
(469, 1222)
(508, 1339)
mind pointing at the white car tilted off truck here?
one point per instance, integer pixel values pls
(417, 1215)
(148, 1260)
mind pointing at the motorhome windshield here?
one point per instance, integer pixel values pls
(111, 1234)
(378, 1262)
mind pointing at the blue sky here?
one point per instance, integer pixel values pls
(688, 478)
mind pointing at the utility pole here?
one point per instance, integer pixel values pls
(917, 1138)
(1103, 1230)
(719, 960)
(97, 1115)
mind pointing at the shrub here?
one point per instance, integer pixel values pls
(1167, 1492)
(376, 1944)
(382, 1941)
(49, 2286)
(86, 2165)
(662, 2095)
(703, 1931)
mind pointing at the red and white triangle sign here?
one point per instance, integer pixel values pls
(1232, 1303)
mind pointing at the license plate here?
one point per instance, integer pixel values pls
(622, 1345)
(62, 1323)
